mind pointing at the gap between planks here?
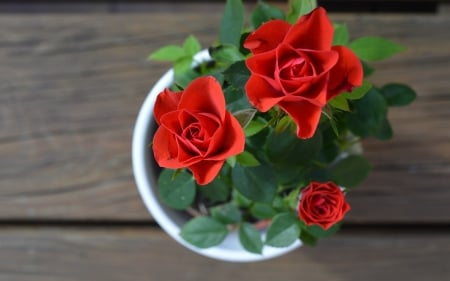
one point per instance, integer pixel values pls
(347, 228)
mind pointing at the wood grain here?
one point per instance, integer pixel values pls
(72, 254)
(71, 86)
(412, 171)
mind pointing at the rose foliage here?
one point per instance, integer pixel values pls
(266, 135)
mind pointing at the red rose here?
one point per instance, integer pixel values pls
(195, 130)
(323, 204)
(296, 68)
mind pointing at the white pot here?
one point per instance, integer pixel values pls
(145, 173)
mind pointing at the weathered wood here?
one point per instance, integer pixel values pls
(409, 168)
(72, 254)
(71, 86)
(71, 89)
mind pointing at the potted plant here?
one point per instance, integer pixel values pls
(246, 150)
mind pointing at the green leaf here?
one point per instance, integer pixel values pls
(367, 69)
(298, 8)
(341, 35)
(191, 46)
(245, 116)
(283, 124)
(283, 231)
(247, 159)
(204, 232)
(290, 175)
(398, 94)
(216, 191)
(168, 53)
(237, 74)
(226, 54)
(327, 114)
(255, 126)
(240, 199)
(278, 204)
(264, 12)
(292, 198)
(231, 160)
(339, 102)
(232, 23)
(384, 131)
(216, 73)
(287, 149)
(371, 48)
(226, 213)
(176, 189)
(308, 239)
(368, 114)
(330, 147)
(350, 171)
(262, 211)
(319, 232)
(358, 92)
(236, 99)
(256, 183)
(182, 66)
(250, 238)
(256, 144)
(184, 78)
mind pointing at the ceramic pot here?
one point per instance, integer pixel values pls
(146, 174)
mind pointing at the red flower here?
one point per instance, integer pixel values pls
(195, 130)
(296, 68)
(323, 204)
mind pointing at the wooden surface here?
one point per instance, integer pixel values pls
(70, 88)
(117, 254)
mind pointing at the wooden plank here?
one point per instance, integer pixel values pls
(70, 95)
(69, 254)
(119, 6)
(407, 168)
(71, 86)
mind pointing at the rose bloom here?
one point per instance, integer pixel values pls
(195, 130)
(296, 68)
(322, 204)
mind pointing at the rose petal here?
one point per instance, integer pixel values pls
(262, 64)
(267, 36)
(229, 140)
(165, 149)
(261, 94)
(312, 31)
(305, 114)
(327, 225)
(323, 61)
(166, 101)
(204, 95)
(311, 84)
(345, 208)
(205, 171)
(171, 122)
(188, 154)
(346, 74)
